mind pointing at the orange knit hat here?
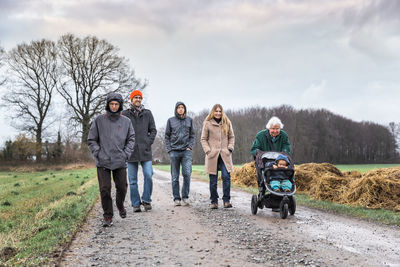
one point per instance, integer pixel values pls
(134, 93)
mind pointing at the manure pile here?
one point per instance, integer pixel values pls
(323, 181)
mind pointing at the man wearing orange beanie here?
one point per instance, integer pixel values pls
(145, 133)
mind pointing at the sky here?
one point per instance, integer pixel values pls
(343, 56)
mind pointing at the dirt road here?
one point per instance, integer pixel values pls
(196, 235)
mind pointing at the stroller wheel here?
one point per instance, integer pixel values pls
(292, 205)
(284, 210)
(254, 204)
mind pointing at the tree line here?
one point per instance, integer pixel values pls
(316, 135)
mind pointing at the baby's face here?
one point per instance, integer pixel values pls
(281, 163)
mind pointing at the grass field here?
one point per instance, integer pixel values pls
(40, 212)
(378, 215)
(364, 167)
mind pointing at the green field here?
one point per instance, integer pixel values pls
(41, 211)
(364, 167)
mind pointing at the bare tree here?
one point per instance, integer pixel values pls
(34, 75)
(92, 69)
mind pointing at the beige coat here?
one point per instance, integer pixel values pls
(215, 142)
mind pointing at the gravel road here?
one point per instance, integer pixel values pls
(195, 235)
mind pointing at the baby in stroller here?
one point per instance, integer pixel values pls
(275, 175)
(279, 179)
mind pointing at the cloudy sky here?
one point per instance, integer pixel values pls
(343, 56)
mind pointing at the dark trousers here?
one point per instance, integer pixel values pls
(104, 177)
(226, 183)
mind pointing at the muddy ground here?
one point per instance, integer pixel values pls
(195, 235)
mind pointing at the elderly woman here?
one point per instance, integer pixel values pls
(218, 140)
(273, 138)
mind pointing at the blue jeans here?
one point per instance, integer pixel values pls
(179, 158)
(147, 167)
(226, 183)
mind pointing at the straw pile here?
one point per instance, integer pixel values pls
(246, 175)
(373, 189)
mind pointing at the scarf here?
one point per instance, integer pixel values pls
(136, 110)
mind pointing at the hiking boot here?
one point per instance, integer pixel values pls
(122, 213)
(177, 202)
(185, 202)
(147, 206)
(227, 205)
(287, 190)
(107, 222)
(277, 190)
(214, 206)
(136, 209)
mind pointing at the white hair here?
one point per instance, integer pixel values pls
(274, 121)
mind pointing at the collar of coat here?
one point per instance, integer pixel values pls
(213, 122)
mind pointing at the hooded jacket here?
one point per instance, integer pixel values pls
(111, 137)
(179, 132)
(145, 133)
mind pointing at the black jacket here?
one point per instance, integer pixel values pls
(145, 133)
(179, 132)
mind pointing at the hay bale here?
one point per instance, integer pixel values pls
(377, 189)
(328, 187)
(246, 175)
(306, 174)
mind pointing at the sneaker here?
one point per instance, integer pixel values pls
(122, 213)
(107, 222)
(227, 205)
(214, 206)
(185, 202)
(136, 209)
(147, 206)
(177, 202)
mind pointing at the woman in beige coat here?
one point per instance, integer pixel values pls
(218, 140)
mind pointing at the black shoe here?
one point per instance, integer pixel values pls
(122, 213)
(276, 209)
(136, 209)
(107, 222)
(147, 206)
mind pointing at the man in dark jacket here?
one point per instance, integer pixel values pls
(179, 141)
(145, 133)
(111, 140)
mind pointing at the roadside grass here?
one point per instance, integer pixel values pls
(376, 215)
(41, 211)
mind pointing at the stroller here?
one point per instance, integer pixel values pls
(282, 201)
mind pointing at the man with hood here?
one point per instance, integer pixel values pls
(145, 133)
(111, 140)
(179, 141)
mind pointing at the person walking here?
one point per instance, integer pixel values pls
(145, 133)
(111, 141)
(179, 141)
(218, 141)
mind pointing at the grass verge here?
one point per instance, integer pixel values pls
(375, 215)
(41, 211)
